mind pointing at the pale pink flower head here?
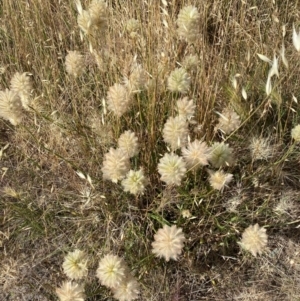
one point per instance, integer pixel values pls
(168, 242)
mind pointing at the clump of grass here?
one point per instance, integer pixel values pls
(122, 139)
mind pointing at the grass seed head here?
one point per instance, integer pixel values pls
(296, 133)
(98, 13)
(21, 84)
(111, 271)
(70, 291)
(186, 108)
(254, 239)
(221, 155)
(127, 290)
(11, 107)
(118, 99)
(135, 182)
(219, 179)
(172, 169)
(196, 154)
(229, 121)
(175, 132)
(75, 63)
(128, 143)
(75, 265)
(168, 242)
(179, 81)
(188, 23)
(260, 148)
(115, 165)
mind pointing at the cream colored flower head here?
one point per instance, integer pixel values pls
(84, 22)
(168, 242)
(75, 265)
(254, 240)
(11, 107)
(186, 108)
(296, 133)
(175, 132)
(188, 23)
(172, 169)
(229, 121)
(98, 13)
(260, 148)
(196, 154)
(75, 63)
(219, 179)
(70, 291)
(190, 62)
(137, 79)
(179, 81)
(132, 26)
(115, 165)
(118, 99)
(111, 271)
(127, 290)
(21, 84)
(221, 155)
(128, 143)
(135, 182)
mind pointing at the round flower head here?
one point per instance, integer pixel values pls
(135, 182)
(179, 81)
(221, 155)
(118, 99)
(219, 179)
(172, 169)
(75, 63)
(260, 148)
(188, 23)
(296, 133)
(196, 154)
(186, 108)
(98, 12)
(84, 22)
(132, 26)
(128, 290)
(21, 84)
(115, 165)
(175, 132)
(10, 107)
(168, 242)
(111, 271)
(128, 143)
(229, 121)
(70, 292)
(75, 265)
(254, 239)
(190, 62)
(137, 80)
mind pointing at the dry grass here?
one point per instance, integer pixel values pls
(47, 210)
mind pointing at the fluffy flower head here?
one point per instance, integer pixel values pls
(221, 155)
(70, 292)
(135, 182)
(127, 290)
(168, 242)
(296, 133)
(186, 108)
(179, 81)
(111, 271)
(98, 12)
(196, 154)
(75, 63)
(219, 179)
(172, 169)
(188, 23)
(175, 132)
(118, 99)
(10, 107)
(254, 239)
(75, 265)
(128, 143)
(115, 165)
(21, 84)
(260, 148)
(229, 121)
